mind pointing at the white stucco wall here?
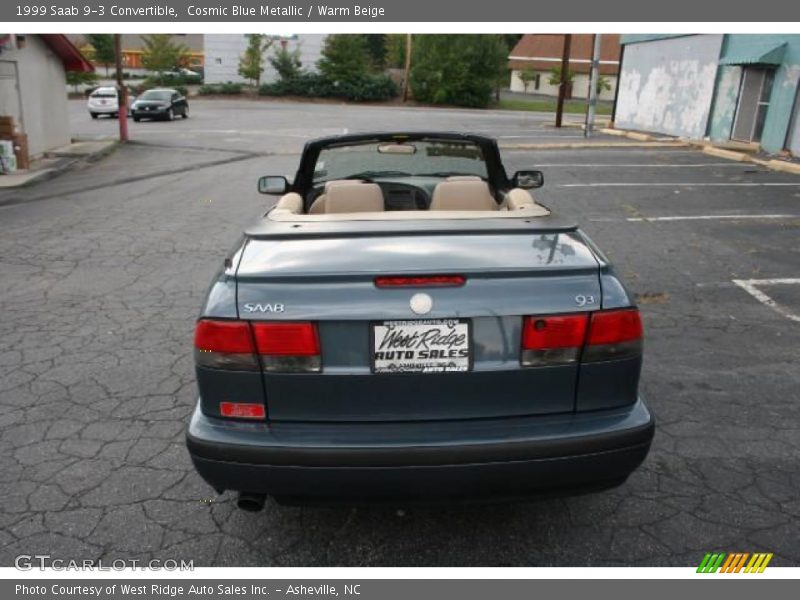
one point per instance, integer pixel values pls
(39, 104)
(223, 51)
(667, 86)
(794, 134)
(580, 85)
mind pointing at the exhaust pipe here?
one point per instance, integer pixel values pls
(250, 501)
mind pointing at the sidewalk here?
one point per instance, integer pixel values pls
(57, 161)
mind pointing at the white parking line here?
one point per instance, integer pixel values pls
(708, 218)
(751, 287)
(679, 184)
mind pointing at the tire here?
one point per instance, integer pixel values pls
(185, 114)
(170, 115)
(94, 115)
(136, 119)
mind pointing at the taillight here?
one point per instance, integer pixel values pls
(588, 337)
(552, 339)
(420, 281)
(614, 334)
(225, 345)
(248, 345)
(288, 347)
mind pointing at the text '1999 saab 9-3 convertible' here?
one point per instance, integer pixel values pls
(408, 324)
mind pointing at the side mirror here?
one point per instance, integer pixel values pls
(273, 184)
(527, 180)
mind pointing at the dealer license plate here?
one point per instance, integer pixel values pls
(429, 346)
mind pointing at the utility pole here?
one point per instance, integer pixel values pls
(408, 67)
(562, 87)
(593, 79)
(122, 91)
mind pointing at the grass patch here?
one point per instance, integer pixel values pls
(570, 106)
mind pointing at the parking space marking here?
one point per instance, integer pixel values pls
(751, 287)
(644, 165)
(708, 218)
(680, 184)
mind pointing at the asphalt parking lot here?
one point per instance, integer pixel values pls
(104, 269)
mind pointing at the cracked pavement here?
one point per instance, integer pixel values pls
(104, 273)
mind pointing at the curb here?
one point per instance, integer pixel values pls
(722, 153)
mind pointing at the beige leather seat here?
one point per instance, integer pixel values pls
(466, 194)
(317, 207)
(349, 197)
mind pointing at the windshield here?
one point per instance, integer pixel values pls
(437, 158)
(162, 95)
(105, 93)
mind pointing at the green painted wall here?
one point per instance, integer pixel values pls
(783, 95)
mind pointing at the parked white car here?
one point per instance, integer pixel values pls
(104, 101)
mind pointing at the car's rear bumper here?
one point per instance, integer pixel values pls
(104, 110)
(459, 459)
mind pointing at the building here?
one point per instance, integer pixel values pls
(223, 52)
(741, 87)
(33, 87)
(540, 54)
(133, 49)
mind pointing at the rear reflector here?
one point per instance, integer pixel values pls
(241, 410)
(421, 281)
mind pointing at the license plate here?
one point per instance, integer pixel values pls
(429, 346)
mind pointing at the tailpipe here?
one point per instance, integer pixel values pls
(250, 501)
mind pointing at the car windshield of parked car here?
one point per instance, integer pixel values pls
(435, 158)
(160, 95)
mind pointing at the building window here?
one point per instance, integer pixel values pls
(537, 81)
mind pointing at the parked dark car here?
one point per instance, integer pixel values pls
(408, 322)
(161, 103)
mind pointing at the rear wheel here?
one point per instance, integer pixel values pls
(136, 119)
(94, 115)
(185, 114)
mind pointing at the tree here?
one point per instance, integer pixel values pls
(251, 63)
(527, 77)
(161, 53)
(76, 78)
(457, 69)
(102, 49)
(376, 45)
(345, 57)
(555, 76)
(395, 50)
(603, 84)
(286, 62)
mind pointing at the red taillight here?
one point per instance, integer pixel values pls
(223, 336)
(237, 345)
(242, 410)
(286, 339)
(589, 337)
(421, 281)
(615, 326)
(559, 331)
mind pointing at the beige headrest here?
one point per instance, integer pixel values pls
(335, 182)
(463, 195)
(356, 197)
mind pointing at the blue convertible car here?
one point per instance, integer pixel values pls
(408, 323)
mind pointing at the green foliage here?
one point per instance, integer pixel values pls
(228, 88)
(555, 76)
(364, 88)
(527, 77)
(76, 78)
(286, 62)
(345, 57)
(103, 50)
(251, 63)
(603, 85)
(462, 70)
(376, 46)
(396, 50)
(161, 53)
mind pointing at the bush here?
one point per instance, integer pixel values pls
(363, 88)
(345, 57)
(457, 69)
(228, 88)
